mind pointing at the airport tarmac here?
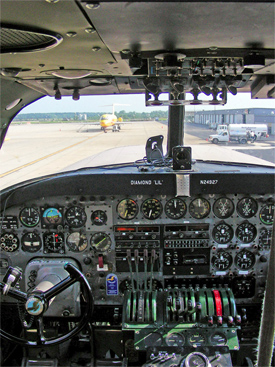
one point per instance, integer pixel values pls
(34, 150)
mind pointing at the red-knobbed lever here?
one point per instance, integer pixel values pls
(218, 302)
(100, 261)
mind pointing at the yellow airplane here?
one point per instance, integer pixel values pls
(110, 120)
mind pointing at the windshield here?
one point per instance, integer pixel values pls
(51, 136)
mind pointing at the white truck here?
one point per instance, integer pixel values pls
(241, 133)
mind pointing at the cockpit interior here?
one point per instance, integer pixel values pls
(165, 262)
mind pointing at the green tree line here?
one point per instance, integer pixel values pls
(90, 116)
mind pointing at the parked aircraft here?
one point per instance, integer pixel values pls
(110, 120)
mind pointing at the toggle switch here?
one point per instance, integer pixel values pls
(101, 266)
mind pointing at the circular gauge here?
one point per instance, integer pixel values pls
(31, 242)
(175, 208)
(76, 217)
(127, 209)
(218, 339)
(99, 218)
(222, 260)
(246, 232)
(223, 208)
(247, 207)
(54, 243)
(52, 216)
(151, 209)
(245, 260)
(9, 242)
(196, 339)
(196, 359)
(265, 237)
(222, 233)
(199, 208)
(29, 217)
(100, 241)
(174, 340)
(77, 242)
(267, 214)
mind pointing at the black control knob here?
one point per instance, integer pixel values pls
(168, 259)
(244, 316)
(87, 260)
(210, 320)
(238, 319)
(263, 259)
(230, 321)
(198, 306)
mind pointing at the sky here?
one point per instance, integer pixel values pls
(132, 103)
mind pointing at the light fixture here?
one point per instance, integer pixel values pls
(254, 60)
(10, 71)
(232, 89)
(13, 104)
(76, 95)
(100, 81)
(96, 49)
(126, 51)
(92, 5)
(71, 34)
(206, 90)
(90, 30)
(195, 92)
(57, 95)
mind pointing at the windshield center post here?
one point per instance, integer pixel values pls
(175, 132)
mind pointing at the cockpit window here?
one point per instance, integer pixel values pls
(48, 139)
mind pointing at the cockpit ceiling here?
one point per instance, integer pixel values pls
(117, 40)
(184, 25)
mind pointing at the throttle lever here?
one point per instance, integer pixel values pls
(12, 276)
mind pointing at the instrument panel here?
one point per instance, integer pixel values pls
(163, 239)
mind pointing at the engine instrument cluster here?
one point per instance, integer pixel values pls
(221, 237)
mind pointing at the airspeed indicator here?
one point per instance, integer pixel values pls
(151, 209)
(127, 209)
(199, 208)
(29, 217)
(175, 208)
